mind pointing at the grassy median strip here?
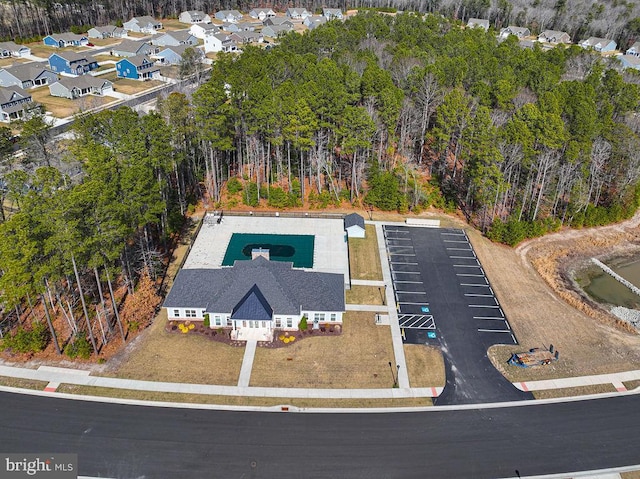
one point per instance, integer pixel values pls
(22, 383)
(425, 366)
(365, 295)
(240, 400)
(357, 358)
(631, 385)
(577, 391)
(364, 258)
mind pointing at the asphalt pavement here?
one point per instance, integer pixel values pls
(126, 441)
(442, 291)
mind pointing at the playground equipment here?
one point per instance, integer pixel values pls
(535, 357)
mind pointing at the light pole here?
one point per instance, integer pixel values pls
(394, 376)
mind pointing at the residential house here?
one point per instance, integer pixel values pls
(478, 23)
(630, 61)
(63, 40)
(247, 37)
(178, 37)
(11, 49)
(277, 21)
(276, 30)
(26, 75)
(553, 36)
(314, 21)
(519, 32)
(139, 67)
(354, 226)
(634, 49)
(72, 63)
(13, 103)
(201, 30)
(131, 48)
(172, 55)
(76, 87)
(297, 13)
(262, 13)
(144, 24)
(332, 13)
(602, 45)
(253, 299)
(230, 16)
(220, 42)
(107, 31)
(194, 16)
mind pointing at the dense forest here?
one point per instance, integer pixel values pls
(392, 112)
(618, 20)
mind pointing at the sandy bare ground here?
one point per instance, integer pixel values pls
(533, 284)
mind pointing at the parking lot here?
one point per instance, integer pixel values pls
(443, 297)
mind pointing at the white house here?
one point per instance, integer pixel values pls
(634, 49)
(144, 24)
(201, 30)
(175, 38)
(297, 13)
(219, 42)
(77, 87)
(262, 13)
(519, 32)
(332, 13)
(478, 23)
(12, 49)
(314, 21)
(107, 31)
(354, 226)
(231, 16)
(554, 36)
(598, 44)
(194, 16)
(254, 298)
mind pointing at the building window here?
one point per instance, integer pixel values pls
(264, 324)
(278, 323)
(218, 321)
(244, 324)
(229, 322)
(190, 313)
(333, 317)
(289, 322)
(317, 317)
(176, 313)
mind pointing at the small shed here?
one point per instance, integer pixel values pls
(354, 226)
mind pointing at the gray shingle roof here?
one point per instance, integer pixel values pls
(286, 289)
(82, 81)
(253, 306)
(6, 93)
(131, 46)
(354, 219)
(26, 71)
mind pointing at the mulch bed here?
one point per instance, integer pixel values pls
(223, 335)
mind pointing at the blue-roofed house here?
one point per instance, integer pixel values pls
(252, 299)
(72, 63)
(173, 55)
(63, 40)
(139, 67)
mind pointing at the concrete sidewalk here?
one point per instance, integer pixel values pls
(616, 379)
(57, 376)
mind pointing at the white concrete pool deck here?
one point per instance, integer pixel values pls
(330, 253)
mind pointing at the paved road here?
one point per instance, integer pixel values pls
(440, 286)
(127, 441)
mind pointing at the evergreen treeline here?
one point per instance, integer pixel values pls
(399, 113)
(29, 19)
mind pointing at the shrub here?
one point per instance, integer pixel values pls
(278, 198)
(207, 321)
(250, 196)
(78, 348)
(28, 340)
(302, 326)
(234, 185)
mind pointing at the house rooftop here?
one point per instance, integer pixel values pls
(354, 219)
(253, 306)
(26, 71)
(138, 60)
(82, 81)
(284, 288)
(6, 93)
(131, 46)
(71, 56)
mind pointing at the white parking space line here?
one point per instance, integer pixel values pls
(399, 239)
(483, 306)
(455, 241)
(409, 282)
(424, 303)
(466, 265)
(459, 249)
(479, 295)
(399, 262)
(514, 339)
(402, 254)
(489, 318)
(407, 272)
(452, 234)
(495, 330)
(464, 257)
(472, 275)
(476, 285)
(410, 292)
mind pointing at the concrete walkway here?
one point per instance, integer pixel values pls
(374, 308)
(247, 363)
(396, 336)
(616, 379)
(83, 378)
(367, 282)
